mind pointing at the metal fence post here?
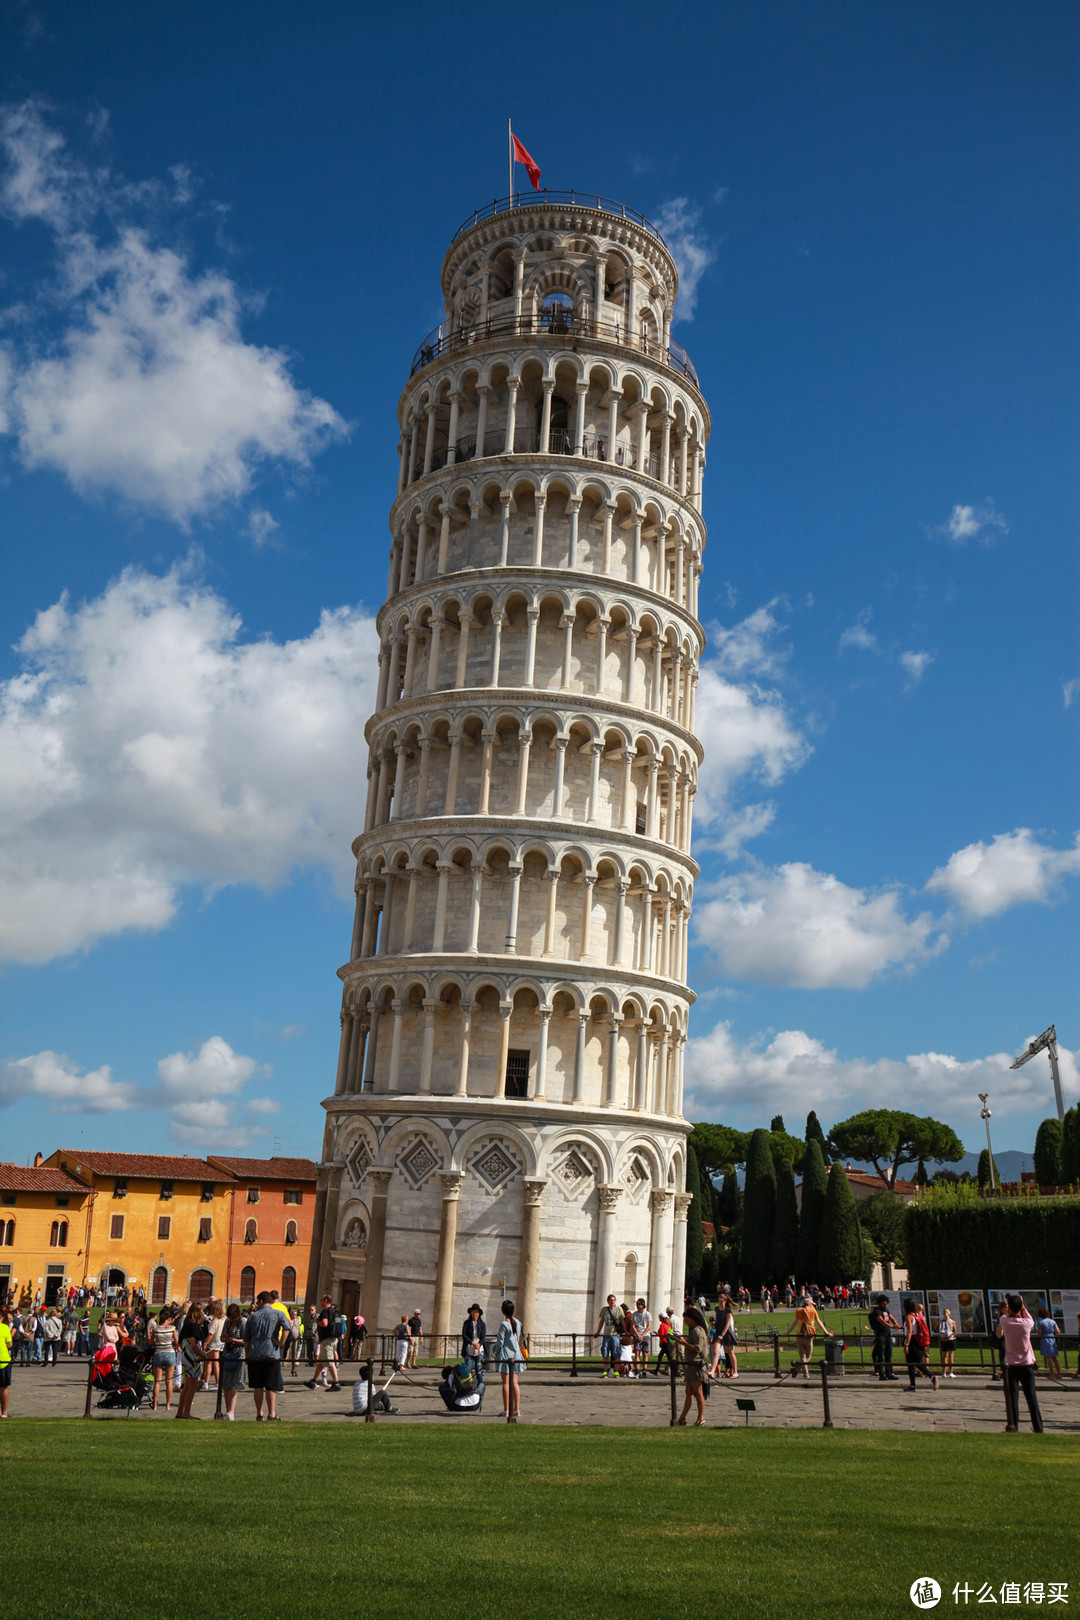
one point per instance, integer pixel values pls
(674, 1397)
(573, 1355)
(89, 1385)
(828, 1423)
(776, 1354)
(369, 1415)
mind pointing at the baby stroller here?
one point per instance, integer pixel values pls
(123, 1379)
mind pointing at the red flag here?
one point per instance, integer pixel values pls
(521, 156)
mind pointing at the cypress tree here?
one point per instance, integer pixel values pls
(729, 1200)
(777, 1123)
(1070, 1147)
(1048, 1153)
(814, 1133)
(785, 1233)
(840, 1254)
(921, 1177)
(814, 1182)
(695, 1237)
(759, 1204)
(983, 1172)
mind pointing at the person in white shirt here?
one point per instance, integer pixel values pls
(642, 1341)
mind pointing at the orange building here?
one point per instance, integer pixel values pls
(273, 1209)
(42, 1222)
(184, 1228)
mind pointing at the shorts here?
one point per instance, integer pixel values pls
(610, 1347)
(327, 1350)
(645, 1344)
(5, 1375)
(265, 1375)
(164, 1358)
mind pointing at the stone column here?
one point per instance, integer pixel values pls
(515, 898)
(573, 506)
(344, 1047)
(428, 1051)
(645, 951)
(597, 749)
(398, 1009)
(560, 775)
(549, 922)
(389, 884)
(451, 447)
(588, 883)
(358, 1053)
(333, 1199)
(604, 1280)
(579, 1058)
(641, 1067)
(488, 740)
(481, 418)
(566, 625)
(612, 1082)
(602, 625)
(444, 531)
(438, 941)
(410, 909)
(464, 622)
(380, 1186)
(605, 544)
(533, 615)
(506, 1009)
(540, 1090)
(371, 1052)
(659, 1254)
(450, 806)
(474, 910)
(397, 804)
(545, 415)
(435, 651)
(524, 747)
(511, 417)
(629, 798)
(579, 418)
(529, 1269)
(678, 1251)
(497, 622)
(442, 1320)
(429, 444)
(463, 1059)
(620, 923)
(505, 499)
(541, 507)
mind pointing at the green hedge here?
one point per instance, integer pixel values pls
(993, 1242)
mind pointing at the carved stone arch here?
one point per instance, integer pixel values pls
(448, 979)
(551, 278)
(616, 858)
(569, 988)
(354, 1224)
(578, 852)
(525, 982)
(651, 1159)
(591, 1144)
(512, 1134)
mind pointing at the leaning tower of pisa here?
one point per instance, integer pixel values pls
(507, 1114)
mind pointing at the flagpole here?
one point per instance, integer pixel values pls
(510, 161)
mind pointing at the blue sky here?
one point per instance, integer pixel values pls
(220, 240)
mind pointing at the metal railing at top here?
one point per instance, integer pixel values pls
(546, 198)
(439, 341)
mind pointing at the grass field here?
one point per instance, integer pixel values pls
(385, 1520)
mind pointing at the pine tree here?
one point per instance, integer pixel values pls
(777, 1123)
(814, 1183)
(759, 1203)
(785, 1233)
(814, 1133)
(1048, 1153)
(695, 1237)
(840, 1254)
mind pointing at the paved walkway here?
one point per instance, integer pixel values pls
(969, 1403)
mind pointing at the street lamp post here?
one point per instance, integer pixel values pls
(985, 1117)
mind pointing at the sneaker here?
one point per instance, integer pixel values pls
(907, 1389)
(230, 1417)
(604, 1373)
(933, 1383)
(311, 1383)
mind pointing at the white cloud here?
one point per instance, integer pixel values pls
(749, 647)
(261, 526)
(263, 1105)
(982, 523)
(1013, 869)
(792, 925)
(859, 636)
(147, 746)
(52, 1078)
(150, 390)
(1069, 691)
(689, 245)
(793, 1072)
(915, 665)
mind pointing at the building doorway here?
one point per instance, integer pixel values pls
(159, 1285)
(201, 1286)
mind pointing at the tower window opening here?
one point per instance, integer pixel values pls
(557, 312)
(517, 1073)
(640, 819)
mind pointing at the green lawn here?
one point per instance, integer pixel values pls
(449, 1521)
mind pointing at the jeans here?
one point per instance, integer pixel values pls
(49, 1351)
(38, 1343)
(25, 1346)
(915, 1355)
(1023, 1378)
(881, 1355)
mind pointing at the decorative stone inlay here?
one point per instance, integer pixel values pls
(574, 1172)
(494, 1166)
(418, 1162)
(635, 1178)
(359, 1162)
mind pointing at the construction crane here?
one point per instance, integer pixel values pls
(1046, 1042)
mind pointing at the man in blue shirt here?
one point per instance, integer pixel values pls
(262, 1341)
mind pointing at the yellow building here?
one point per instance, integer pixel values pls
(156, 1221)
(42, 1231)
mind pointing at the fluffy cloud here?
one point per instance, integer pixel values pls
(915, 665)
(149, 388)
(747, 733)
(982, 523)
(689, 245)
(861, 638)
(792, 925)
(793, 1073)
(147, 746)
(51, 1077)
(859, 635)
(1013, 869)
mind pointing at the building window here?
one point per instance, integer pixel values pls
(251, 1231)
(200, 1286)
(10, 1198)
(164, 1228)
(517, 1073)
(120, 1187)
(288, 1283)
(7, 1234)
(640, 819)
(166, 1189)
(62, 1203)
(116, 1227)
(247, 1285)
(208, 1192)
(253, 1195)
(293, 1195)
(290, 1234)
(159, 1285)
(58, 1235)
(206, 1231)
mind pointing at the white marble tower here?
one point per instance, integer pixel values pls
(507, 1114)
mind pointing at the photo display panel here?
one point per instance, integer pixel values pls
(966, 1305)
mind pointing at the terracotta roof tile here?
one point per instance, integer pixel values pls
(275, 1169)
(45, 1178)
(151, 1166)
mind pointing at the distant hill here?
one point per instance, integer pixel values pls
(1009, 1163)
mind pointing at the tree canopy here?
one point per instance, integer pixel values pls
(882, 1216)
(890, 1138)
(719, 1148)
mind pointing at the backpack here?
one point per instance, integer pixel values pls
(464, 1379)
(921, 1333)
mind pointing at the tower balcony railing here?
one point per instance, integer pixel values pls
(558, 323)
(560, 443)
(560, 199)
